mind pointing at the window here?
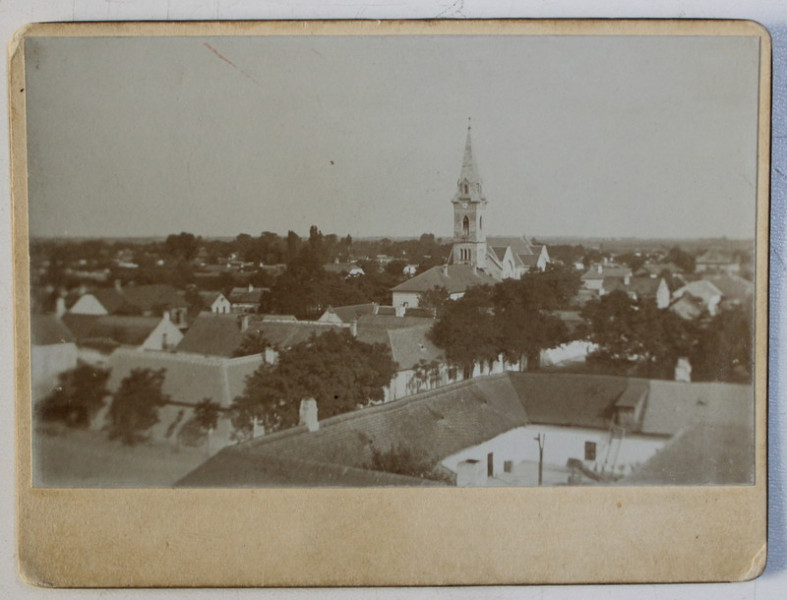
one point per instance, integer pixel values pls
(464, 188)
(466, 226)
(480, 222)
(590, 450)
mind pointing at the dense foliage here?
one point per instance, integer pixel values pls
(79, 395)
(513, 318)
(335, 369)
(134, 408)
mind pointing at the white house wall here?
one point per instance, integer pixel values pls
(46, 363)
(561, 444)
(165, 331)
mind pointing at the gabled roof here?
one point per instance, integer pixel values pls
(373, 329)
(125, 330)
(213, 335)
(208, 298)
(351, 313)
(701, 288)
(189, 378)
(242, 295)
(112, 300)
(341, 267)
(644, 287)
(519, 244)
(47, 330)
(687, 307)
(499, 251)
(285, 334)
(411, 345)
(439, 423)
(157, 296)
(455, 278)
(732, 287)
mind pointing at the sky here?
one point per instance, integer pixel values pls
(574, 136)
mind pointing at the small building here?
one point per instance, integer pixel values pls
(188, 379)
(246, 299)
(716, 261)
(215, 302)
(97, 336)
(138, 300)
(454, 278)
(705, 291)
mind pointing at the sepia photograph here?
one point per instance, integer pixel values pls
(271, 261)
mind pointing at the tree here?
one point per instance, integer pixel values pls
(335, 369)
(436, 299)
(724, 349)
(681, 259)
(183, 245)
(253, 343)
(401, 460)
(466, 330)
(77, 398)
(206, 415)
(134, 409)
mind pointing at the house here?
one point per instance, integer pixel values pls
(215, 302)
(735, 290)
(348, 314)
(705, 291)
(482, 432)
(220, 335)
(52, 351)
(97, 336)
(454, 278)
(188, 379)
(604, 277)
(475, 259)
(348, 269)
(141, 300)
(717, 261)
(246, 299)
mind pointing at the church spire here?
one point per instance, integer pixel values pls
(469, 171)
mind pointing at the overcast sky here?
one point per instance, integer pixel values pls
(587, 136)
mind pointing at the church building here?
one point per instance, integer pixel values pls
(475, 259)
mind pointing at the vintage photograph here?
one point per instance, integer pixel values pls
(265, 261)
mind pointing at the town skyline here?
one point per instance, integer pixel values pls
(115, 152)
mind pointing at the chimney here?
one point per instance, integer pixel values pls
(258, 428)
(118, 286)
(354, 327)
(627, 279)
(307, 414)
(243, 321)
(375, 308)
(400, 310)
(251, 287)
(599, 268)
(445, 270)
(683, 370)
(165, 315)
(60, 306)
(470, 473)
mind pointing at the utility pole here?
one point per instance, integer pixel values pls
(540, 438)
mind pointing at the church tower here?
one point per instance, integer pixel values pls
(469, 207)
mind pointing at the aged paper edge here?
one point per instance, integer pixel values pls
(331, 537)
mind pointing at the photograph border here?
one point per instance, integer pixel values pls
(278, 537)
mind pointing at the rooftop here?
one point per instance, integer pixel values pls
(455, 278)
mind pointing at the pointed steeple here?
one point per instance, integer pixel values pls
(469, 169)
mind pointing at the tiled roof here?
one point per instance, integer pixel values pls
(455, 278)
(529, 260)
(348, 314)
(285, 334)
(644, 286)
(242, 295)
(687, 307)
(673, 406)
(500, 251)
(153, 297)
(126, 330)
(208, 298)
(732, 287)
(189, 378)
(411, 345)
(570, 400)
(213, 335)
(519, 245)
(701, 288)
(373, 329)
(438, 423)
(46, 330)
(110, 299)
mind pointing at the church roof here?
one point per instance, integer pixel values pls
(454, 278)
(519, 244)
(469, 167)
